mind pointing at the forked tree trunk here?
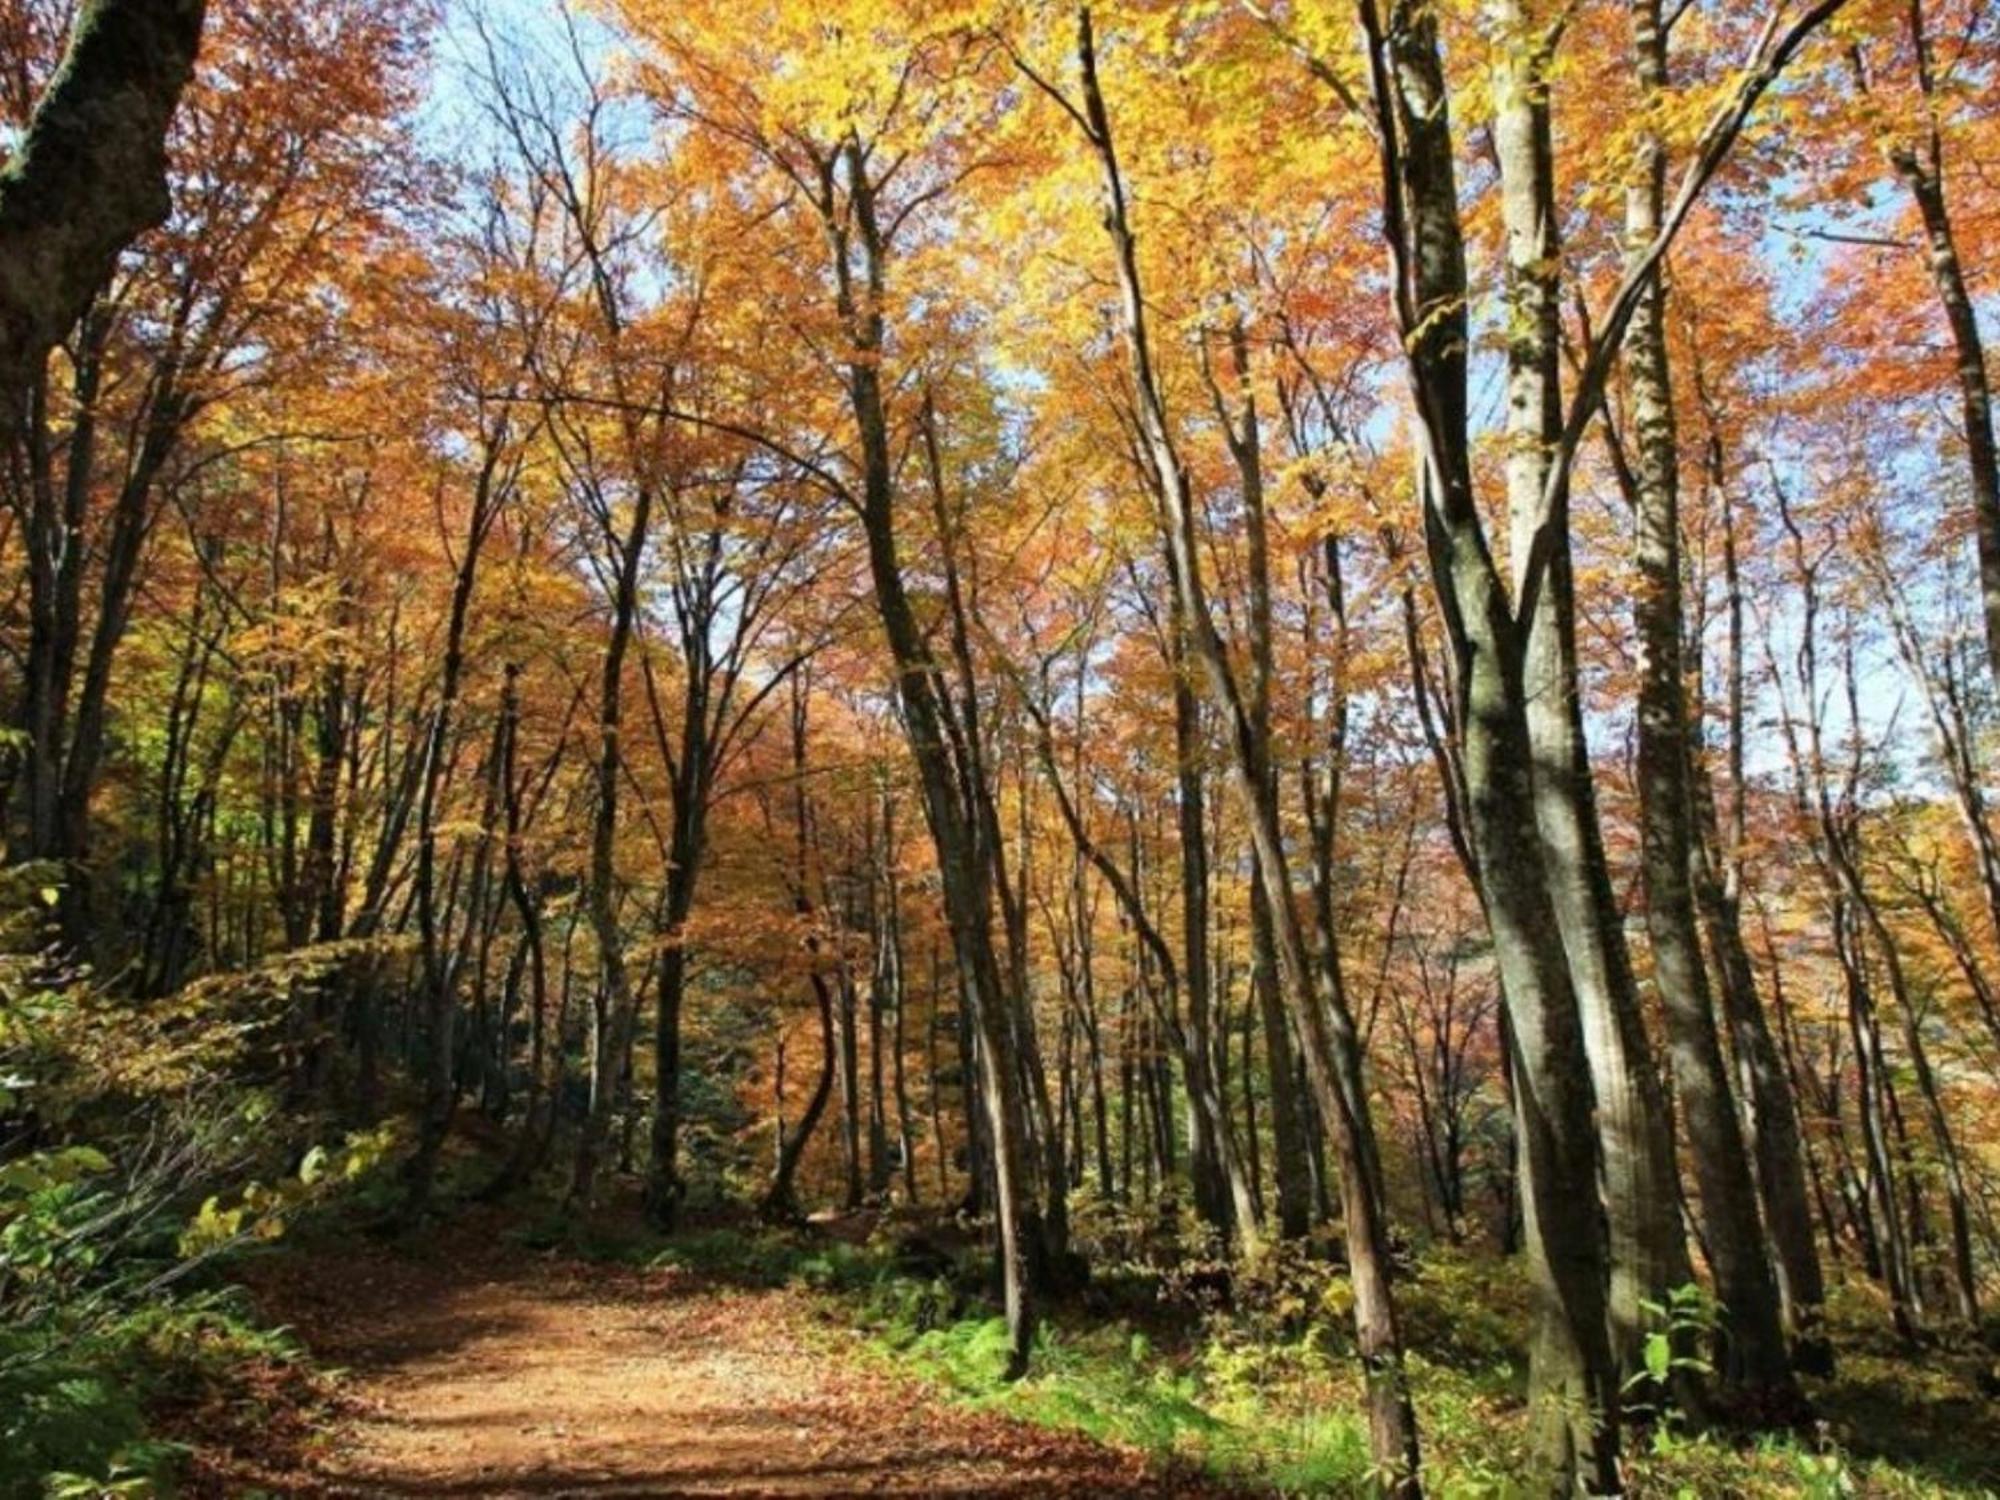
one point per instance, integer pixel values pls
(780, 1202)
(440, 969)
(616, 1006)
(1648, 1254)
(1573, 1381)
(859, 256)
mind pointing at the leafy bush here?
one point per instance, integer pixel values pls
(66, 1417)
(138, 1144)
(735, 1255)
(1468, 1311)
(1261, 1388)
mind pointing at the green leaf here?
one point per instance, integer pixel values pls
(86, 1159)
(1659, 1355)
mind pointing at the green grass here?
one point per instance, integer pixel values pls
(1268, 1394)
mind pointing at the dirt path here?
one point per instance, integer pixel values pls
(481, 1369)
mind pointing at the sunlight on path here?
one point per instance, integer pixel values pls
(481, 1372)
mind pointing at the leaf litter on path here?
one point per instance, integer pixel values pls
(477, 1367)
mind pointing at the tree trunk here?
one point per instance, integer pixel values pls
(1764, 1089)
(885, 997)
(1326, 1031)
(440, 970)
(965, 869)
(616, 1006)
(538, 1110)
(906, 1144)
(91, 174)
(1574, 1388)
(1753, 1353)
(693, 775)
(1648, 1254)
(1211, 1194)
(934, 1083)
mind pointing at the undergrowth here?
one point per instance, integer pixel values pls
(142, 1145)
(1249, 1375)
(1259, 1386)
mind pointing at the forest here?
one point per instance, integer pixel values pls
(990, 747)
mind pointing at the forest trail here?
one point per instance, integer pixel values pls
(480, 1368)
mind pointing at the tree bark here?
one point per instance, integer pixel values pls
(1573, 1379)
(1753, 1353)
(1327, 1033)
(91, 174)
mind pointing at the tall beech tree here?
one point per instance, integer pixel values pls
(1754, 1349)
(1331, 1044)
(1546, 896)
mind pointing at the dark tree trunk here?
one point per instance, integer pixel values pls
(1753, 1356)
(615, 1004)
(855, 240)
(440, 968)
(1573, 1380)
(91, 174)
(1764, 1090)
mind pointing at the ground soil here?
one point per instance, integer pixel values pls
(473, 1366)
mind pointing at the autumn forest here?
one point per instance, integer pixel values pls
(962, 747)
